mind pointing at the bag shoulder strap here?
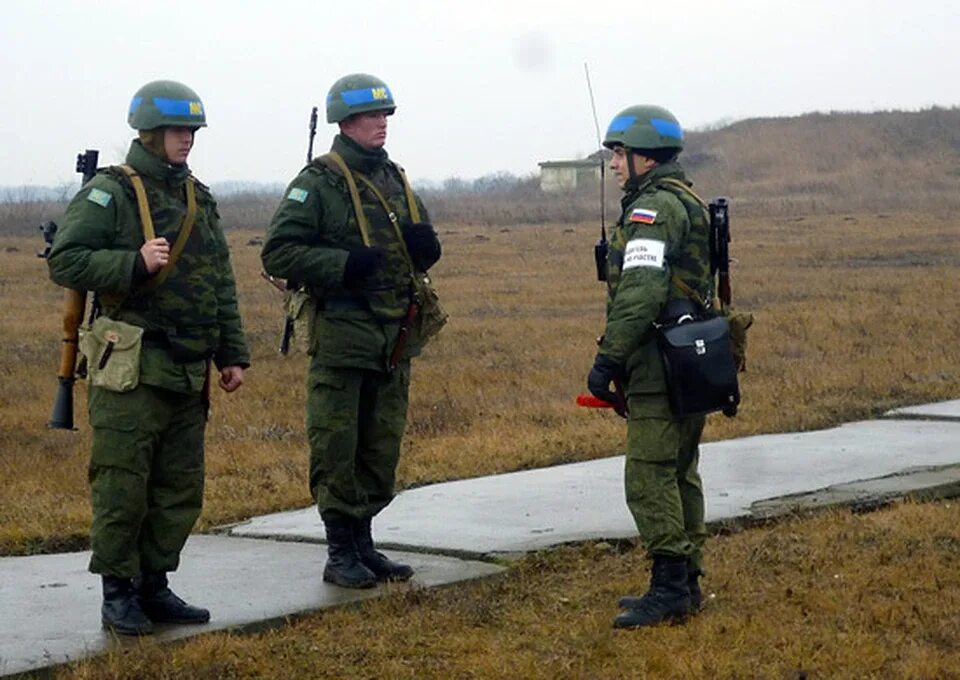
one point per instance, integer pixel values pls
(146, 222)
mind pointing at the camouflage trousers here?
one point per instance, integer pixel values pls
(355, 423)
(663, 487)
(146, 478)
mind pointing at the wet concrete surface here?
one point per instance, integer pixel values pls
(50, 604)
(536, 509)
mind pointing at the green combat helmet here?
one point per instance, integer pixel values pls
(644, 127)
(358, 93)
(166, 102)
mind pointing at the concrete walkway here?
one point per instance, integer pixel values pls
(49, 604)
(536, 509)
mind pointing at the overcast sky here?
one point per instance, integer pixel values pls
(481, 86)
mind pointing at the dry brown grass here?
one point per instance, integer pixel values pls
(855, 315)
(835, 596)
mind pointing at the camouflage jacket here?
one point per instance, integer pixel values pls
(662, 231)
(310, 237)
(193, 315)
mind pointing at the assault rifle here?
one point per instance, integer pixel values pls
(293, 285)
(74, 306)
(720, 249)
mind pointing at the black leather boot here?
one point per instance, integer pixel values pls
(693, 584)
(163, 606)
(121, 611)
(667, 600)
(382, 567)
(344, 567)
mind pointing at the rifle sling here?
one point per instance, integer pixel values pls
(690, 292)
(684, 187)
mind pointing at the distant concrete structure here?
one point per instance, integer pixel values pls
(558, 176)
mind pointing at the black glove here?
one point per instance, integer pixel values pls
(605, 370)
(422, 244)
(362, 263)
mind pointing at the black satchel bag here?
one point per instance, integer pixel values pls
(698, 360)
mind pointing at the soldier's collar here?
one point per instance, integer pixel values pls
(637, 184)
(150, 165)
(358, 157)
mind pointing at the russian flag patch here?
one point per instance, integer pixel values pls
(643, 216)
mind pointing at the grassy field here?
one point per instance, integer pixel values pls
(835, 596)
(855, 315)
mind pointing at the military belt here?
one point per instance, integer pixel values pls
(155, 340)
(344, 304)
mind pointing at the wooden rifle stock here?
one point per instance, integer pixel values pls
(402, 335)
(723, 288)
(74, 306)
(74, 303)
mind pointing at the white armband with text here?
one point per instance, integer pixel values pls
(643, 252)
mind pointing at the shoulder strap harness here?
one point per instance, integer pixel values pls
(146, 222)
(349, 176)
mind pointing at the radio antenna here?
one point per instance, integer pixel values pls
(600, 249)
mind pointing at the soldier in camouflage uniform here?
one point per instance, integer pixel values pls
(360, 287)
(662, 237)
(147, 464)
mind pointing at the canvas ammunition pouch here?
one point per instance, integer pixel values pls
(739, 323)
(431, 317)
(300, 306)
(112, 349)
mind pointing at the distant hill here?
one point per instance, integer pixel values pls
(832, 162)
(890, 161)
